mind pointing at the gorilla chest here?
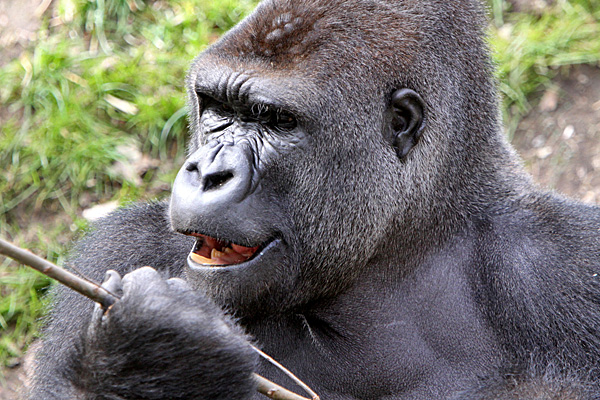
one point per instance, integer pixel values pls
(425, 351)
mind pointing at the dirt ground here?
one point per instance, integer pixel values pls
(559, 140)
(19, 22)
(12, 382)
(561, 147)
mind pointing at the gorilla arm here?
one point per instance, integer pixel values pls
(160, 341)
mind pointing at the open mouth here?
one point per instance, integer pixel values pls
(209, 251)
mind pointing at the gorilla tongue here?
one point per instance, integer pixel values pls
(211, 251)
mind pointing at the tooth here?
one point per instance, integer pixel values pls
(201, 260)
(233, 258)
(214, 254)
(243, 250)
(228, 256)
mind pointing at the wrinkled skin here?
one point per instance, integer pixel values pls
(350, 200)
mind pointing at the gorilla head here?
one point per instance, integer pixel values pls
(333, 139)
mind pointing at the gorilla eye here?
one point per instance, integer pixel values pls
(209, 103)
(285, 120)
(275, 118)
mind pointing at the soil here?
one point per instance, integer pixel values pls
(14, 379)
(19, 23)
(561, 148)
(559, 140)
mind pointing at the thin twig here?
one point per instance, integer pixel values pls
(86, 288)
(106, 299)
(293, 377)
(274, 391)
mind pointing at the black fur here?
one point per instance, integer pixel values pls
(144, 341)
(444, 273)
(147, 362)
(547, 383)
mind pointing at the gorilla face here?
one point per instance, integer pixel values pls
(291, 184)
(231, 194)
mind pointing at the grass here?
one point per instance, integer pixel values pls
(530, 50)
(106, 75)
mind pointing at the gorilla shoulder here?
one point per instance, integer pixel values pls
(132, 237)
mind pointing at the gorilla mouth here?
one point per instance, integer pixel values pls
(214, 252)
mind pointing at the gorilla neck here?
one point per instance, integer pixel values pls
(416, 317)
(464, 188)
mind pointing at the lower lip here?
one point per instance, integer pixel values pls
(246, 264)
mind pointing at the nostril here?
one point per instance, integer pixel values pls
(214, 181)
(191, 166)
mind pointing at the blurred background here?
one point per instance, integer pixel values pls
(92, 116)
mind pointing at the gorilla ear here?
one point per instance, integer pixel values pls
(407, 120)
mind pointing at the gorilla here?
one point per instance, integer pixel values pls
(350, 206)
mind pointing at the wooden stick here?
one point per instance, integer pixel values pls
(276, 392)
(106, 299)
(86, 288)
(286, 371)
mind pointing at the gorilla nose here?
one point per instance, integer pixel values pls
(220, 171)
(216, 180)
(212, 183)
(211, 176)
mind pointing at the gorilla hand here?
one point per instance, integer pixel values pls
(162, 340)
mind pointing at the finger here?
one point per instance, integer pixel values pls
(112, 282)
(97, 318)
(145, 279)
